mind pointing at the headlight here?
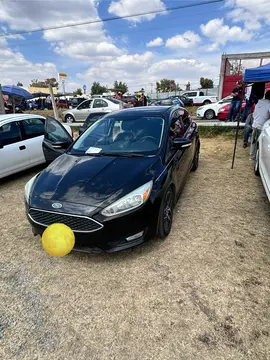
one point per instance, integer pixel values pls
(129, 202)
(200, 108)
(28, 187)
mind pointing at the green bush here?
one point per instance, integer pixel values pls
(213, 131)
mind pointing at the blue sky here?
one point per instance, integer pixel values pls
(183, 45)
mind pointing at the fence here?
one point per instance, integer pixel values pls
(165, 95)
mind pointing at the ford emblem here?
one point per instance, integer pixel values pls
(57, 205)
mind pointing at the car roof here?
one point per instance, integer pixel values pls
(5, 117)
(147, 110)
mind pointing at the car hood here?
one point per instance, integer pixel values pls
(95, 182)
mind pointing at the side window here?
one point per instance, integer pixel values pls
(10, 133)
(33, 128)
(201, 93)
(99, 103)
(84, 105)
(55, 131)
(193, 94)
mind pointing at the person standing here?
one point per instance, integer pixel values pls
(260, 116)
(236, 101)
(144, 100)
(247, 109)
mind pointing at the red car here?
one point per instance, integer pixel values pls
(224, 110)
(61, 103)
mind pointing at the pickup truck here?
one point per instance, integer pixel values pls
(199, 98)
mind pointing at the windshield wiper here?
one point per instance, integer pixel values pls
(128, 155)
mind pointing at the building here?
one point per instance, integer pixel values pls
(233, 68)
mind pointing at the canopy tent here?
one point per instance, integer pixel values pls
(259, 74)
(16, 92)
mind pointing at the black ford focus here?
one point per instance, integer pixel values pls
(117, 184)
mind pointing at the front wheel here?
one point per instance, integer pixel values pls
(256, 165)
(209, 114)
(165, 217)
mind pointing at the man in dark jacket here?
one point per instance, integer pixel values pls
(236, 101)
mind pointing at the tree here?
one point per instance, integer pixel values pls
(77, 92)
(97, 89)
(44, 84)
(167, 85)
(19, 83)
(120, 87)
(206, 83)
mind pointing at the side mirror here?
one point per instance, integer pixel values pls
(60, 145)
(181, 143)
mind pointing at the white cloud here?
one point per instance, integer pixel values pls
(156, 42)
(128, 7)
(186, 40)
(250, 12)
(15, 67)
(86, 43)
(220, 33)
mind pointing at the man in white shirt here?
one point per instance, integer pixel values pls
(260, 116)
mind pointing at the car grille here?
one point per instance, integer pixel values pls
(75, 222)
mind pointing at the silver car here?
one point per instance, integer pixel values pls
(262, 163)
(81, 112)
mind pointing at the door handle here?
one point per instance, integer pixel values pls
(22, 147)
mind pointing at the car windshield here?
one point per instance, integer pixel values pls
(121, 135)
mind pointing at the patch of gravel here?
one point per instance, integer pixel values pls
(201, 294)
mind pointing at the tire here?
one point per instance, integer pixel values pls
(209, 114)
(206, 102)
(69, 119)
(256, 165)
(165, 217)
(195, 163)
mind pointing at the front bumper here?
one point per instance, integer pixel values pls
(199, 114)
(114, 235)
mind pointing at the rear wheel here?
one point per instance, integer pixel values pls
(209, 114)
(69, 119)
(166, 214)
(206, 102)
(256, 165)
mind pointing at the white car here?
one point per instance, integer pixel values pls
(262, 163)
(81, 112)
(210, 111)
(199, 98)
(21, 137)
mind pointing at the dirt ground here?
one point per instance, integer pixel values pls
(201, 294)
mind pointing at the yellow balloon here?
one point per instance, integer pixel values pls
(58, 240)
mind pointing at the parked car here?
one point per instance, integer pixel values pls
(224, 110)
(186, 101)
(199, 98)
(118, 183)
(74, 102)
(81, 112)
(21, 138)
(91, 119)
(131, 99)
(168, 102)
(262, 163)
(62, 103)
(210, 111)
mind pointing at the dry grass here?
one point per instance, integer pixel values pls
(201, 294)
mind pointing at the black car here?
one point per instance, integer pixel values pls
(185, 100)
(116, 186)
(91, 119)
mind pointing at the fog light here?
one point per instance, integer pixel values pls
(135, 236)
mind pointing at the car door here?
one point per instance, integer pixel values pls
(176, 159)
(265, 154)
(99, 105)
(33, 130)
(14, 155)
(56, 139)
(82, 111)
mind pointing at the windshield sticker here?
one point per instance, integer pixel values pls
(93, 150)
